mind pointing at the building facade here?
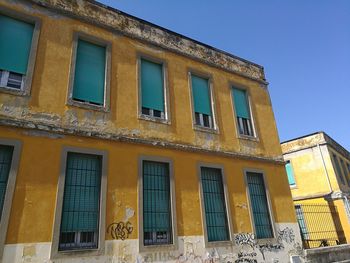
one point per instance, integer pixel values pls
(318, 171)
(121, 141)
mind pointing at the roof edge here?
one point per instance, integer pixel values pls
(113, 19)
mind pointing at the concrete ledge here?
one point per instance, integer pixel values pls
(327, 254)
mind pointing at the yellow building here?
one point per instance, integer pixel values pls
(121, 141)
(318, 171)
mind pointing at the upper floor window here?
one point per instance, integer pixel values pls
(214, 205)
(290, 173)
(345, 173)
(152, 89)
(90, 73)
(202, 102)
(17, 53)
(338, 169)
(259, 206)
(243, 114)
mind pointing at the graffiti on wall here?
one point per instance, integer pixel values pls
(286, 235)
(120, 230)
(242, 239)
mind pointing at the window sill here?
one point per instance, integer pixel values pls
(248, 138)
(213, 244)
(293, 186)
(13, 91)
(154, 119)
(86, 105)
(154, 248)
(205, 129)
(77, 253)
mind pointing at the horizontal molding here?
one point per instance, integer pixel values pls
(124, 24)
(77, 131)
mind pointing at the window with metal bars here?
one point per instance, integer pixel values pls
(157, 218)
(259, 205)
(81, 202)
(214, 204)
(6, 153)
(301, 221)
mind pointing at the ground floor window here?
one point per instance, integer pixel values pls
(81, 202)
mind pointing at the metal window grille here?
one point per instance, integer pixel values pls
(157, 223)
(214, 204)
(204, 120)
(301, 222)
(245, 126)
(5, 166)
(81, 202)
(153, 113)
(11, 80)
(260, 208)
(320, 225)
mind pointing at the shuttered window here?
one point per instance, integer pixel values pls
(260, 208)
(290, 173)
(157, 223)
(214, 204)
(15, 45)
(202, 101)
(152, 88)
(90, 76)
(338, 169)
(6, 153)
(81, 202)
(241, 105)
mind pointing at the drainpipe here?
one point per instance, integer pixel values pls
(325, 169)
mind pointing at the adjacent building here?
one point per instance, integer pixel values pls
(318, 171)
(121, 141)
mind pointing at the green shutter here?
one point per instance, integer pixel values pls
(89, 78)
(201, 95)
(259, 205)
(152, 85)
(15, 44)
(5, 166)
(214, 204)
(156, 197)
(301, 222)
(240, 103)
(81, 199)
(290, 173)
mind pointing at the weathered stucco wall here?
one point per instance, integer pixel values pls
(47, 102)
(36, 186)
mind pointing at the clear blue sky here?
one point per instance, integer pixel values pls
(304, 47)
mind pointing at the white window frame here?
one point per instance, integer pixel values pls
(96, 41)
(10, 189)
(165, 116)
(168, 247)
(28, 77)
(269, 205)
(55, 253)
(227, 204)
(253, 137)
(214, 128)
